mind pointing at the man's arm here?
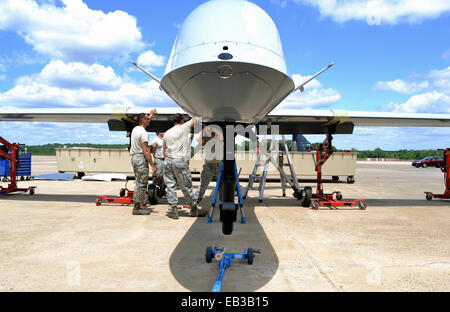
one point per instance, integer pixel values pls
(164, 149)
(152, 148)
(152, 113)
(148, 156)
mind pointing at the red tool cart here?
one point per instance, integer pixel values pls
(14, 164)
(126, 196)
(446, 170)
(323, 152)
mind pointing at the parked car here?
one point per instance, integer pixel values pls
(434, 161)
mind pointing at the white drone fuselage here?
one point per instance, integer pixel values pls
(227, 63)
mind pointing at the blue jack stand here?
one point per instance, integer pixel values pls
(240, 203)
(225, 261)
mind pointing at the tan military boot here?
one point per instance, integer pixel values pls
(139, 211)
(173, 214)
(195, 212)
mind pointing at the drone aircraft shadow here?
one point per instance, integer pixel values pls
(190, 269)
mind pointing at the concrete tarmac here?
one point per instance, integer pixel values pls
(59, 240)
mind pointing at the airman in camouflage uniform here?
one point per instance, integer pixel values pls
(141, 173)
(156, 148)
(176, 166)
(176, 172)
(210, 171)
(211, 167)
(140, 159)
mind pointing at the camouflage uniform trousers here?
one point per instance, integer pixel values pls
(209, 171)
(176, 172)
(158, 177)
(141, 172)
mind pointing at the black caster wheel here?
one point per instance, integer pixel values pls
(362, 205)
(209, 254)
(152, 198)
(122, 193)
(306, 202)
(250, 255)
(338, 195)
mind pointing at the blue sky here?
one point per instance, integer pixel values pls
(390, 56)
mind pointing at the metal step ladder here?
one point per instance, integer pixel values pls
(286, 179)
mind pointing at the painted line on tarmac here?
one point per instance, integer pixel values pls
(313, 261)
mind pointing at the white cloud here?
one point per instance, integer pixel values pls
(37, 133)
(313, 84)
(62, 84)
(430, 102)
(151, 59)
(281, 3)
(314, 96)
(71, 32)
(380, 11)
(446, 55)
(435, 96)
(79, 75)
(441, 79)
(439, 74)
(401, 86)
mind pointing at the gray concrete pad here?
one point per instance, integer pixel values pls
(59, 240)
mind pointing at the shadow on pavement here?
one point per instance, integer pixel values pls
(188, 265)
(69, 198)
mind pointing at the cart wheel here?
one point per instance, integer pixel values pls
(307, 196)
(227, 228)
(28, 179)
(314, 205)
(335, 178)
(98, 202)
(32, 191)
(350, 180)
(338, 195)
(122, 193)
(22, 178)
(209, 254)
(429, 196)
(250, 255)
(152, 198)
(362, 205)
